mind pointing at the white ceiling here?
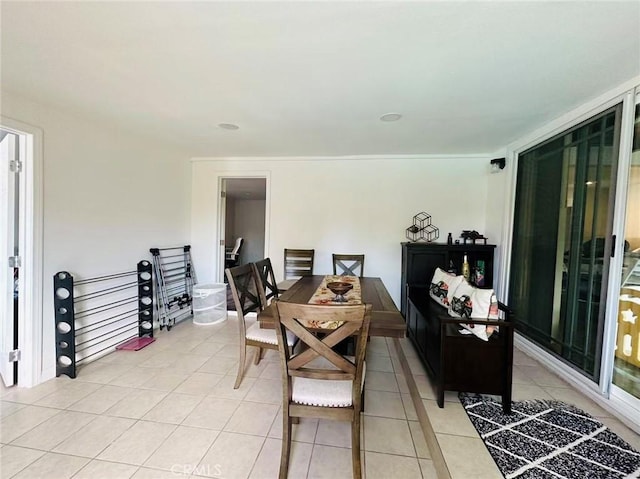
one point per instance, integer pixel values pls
(313, 78)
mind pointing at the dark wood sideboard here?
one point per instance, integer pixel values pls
(457, 362)
(420, 260)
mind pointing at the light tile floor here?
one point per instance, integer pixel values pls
(170, 410)
(455, 433)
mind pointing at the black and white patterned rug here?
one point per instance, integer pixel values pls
(549, 440)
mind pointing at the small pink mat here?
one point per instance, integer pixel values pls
(134, 344)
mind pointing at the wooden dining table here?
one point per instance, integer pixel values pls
(386, 320)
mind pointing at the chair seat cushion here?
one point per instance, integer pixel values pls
(323, 392)
(256, 333)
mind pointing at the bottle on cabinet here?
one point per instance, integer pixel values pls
(452, 268)
(466, 271)
(479, 273)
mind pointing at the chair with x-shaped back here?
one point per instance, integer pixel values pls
(348, 264)
(245, 289)
(318, 381)
(269, 289)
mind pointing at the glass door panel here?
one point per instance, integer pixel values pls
(626, 371)
(561, 237)
(587, 241)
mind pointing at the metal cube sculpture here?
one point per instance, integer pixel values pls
(422, 229)
(421, 220)
(413, 233)
(430, 233)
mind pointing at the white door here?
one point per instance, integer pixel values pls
(9, 254)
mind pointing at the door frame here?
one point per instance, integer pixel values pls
(9, 315)
(625, 400)
(30, 281)
(220, 230)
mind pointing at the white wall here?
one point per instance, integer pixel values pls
(249, 224)
(360, 205)
(108, 197)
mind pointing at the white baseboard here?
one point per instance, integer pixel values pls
(47, 374)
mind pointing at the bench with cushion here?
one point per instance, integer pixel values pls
(459, 361)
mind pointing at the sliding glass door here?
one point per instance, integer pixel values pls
(562, 240)
(626, 371)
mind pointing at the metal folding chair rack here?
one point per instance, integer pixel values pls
(175, 277)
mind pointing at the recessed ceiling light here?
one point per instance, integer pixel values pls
(228, 126)
(390, 117)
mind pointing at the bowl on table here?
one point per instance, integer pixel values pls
(339, 288)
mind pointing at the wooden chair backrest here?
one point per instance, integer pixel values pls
(269, 288)
(356, 320)
(348, 264)
(243, 283)
(298, 263)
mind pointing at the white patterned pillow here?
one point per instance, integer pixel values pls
(443, 285)
(461, 305)
(475, 303)
(485, 304)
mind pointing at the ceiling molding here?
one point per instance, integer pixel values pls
(483, 156)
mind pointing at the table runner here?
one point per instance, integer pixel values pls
(324, 295)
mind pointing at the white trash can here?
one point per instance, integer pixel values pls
(209, 303)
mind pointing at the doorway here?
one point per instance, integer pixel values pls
(243, 215)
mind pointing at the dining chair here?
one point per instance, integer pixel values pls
(318, 381)
(348, 264)
(297, 263)
(245, 289)
(267, 280)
